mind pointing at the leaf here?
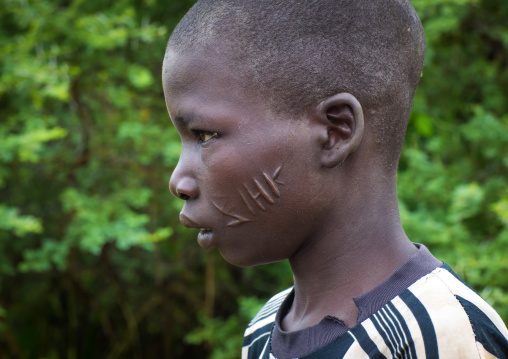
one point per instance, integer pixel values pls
(140, 77)
(424, 126)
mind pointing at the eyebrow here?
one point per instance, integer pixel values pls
(183, 120)
(190, 118)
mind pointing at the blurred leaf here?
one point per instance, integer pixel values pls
(424, 125)
(11, 220)
(140, 77)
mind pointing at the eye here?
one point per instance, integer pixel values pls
(205, 136)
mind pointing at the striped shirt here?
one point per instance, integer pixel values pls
(436, 316)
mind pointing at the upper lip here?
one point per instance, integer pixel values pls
(190, 223)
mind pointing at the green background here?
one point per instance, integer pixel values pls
(93, 261)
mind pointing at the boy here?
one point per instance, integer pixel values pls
(292, 115)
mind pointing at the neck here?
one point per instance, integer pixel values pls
(360, 250)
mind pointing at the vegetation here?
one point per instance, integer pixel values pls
(93, 261)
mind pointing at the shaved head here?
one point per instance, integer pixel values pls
(296, 53)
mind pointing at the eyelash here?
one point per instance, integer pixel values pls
(201, 135)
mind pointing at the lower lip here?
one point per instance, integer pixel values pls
(205, 239)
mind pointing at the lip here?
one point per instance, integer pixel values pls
(206, 239)
(187, 222)
(206, 234)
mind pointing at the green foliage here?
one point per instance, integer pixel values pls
(20, 225)
(218, 330)
(93, 261)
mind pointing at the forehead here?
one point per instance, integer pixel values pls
(207, 74)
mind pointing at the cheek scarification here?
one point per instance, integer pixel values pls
(272, 181)
(249, 207)
(237, 219)
(264, 192)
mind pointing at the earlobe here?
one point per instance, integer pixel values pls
(342, 126)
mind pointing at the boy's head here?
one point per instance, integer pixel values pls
(271, 97)
(296, 53)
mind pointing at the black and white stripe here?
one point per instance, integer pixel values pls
(437, 316)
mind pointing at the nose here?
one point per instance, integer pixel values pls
(182, 184)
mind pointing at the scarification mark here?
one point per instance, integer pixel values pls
(272, 185)
(263, 192)
(238, 222)
(272, 181)
(251, 210)
(237, 218)
(255, 197)
(276, 175)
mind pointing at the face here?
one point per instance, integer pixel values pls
(247, 175)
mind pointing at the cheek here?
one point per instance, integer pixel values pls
(244, 187)
(223, 167)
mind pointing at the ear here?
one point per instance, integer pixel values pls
(341, 127)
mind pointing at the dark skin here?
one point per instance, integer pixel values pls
(265, 186)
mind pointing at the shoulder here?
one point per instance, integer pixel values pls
(258, 331)
(439, 316)
(453, 319)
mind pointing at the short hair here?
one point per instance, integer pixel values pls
(296, 53)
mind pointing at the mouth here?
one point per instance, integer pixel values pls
(205, 235)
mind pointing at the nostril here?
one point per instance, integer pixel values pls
(185, 188)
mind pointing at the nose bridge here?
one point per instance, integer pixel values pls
(183, 182)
